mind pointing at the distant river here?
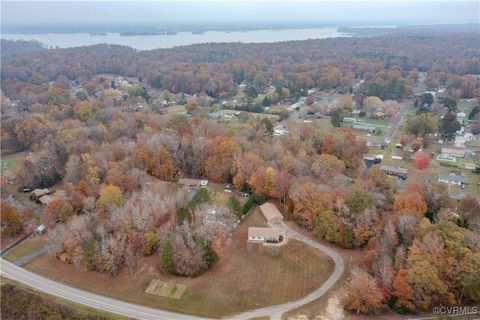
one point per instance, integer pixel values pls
(147, 42)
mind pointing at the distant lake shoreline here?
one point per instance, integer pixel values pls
(149, 42)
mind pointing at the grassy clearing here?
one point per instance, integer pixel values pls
(246, 277)
(11, 161)
(175, 109)
(25, 248)
(381, 123)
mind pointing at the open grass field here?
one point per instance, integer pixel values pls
(25, 248)
(326, 100)
(381, 123)
(176, 109)
(11, 161)
(245, 278)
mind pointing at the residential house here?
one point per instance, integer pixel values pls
(394, 171)
(256, 234)
(364, 127)
(453, 152)
(38, 193)
(192, 183)
(348, 120)
(452, 179)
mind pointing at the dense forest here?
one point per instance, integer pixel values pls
(417, 254)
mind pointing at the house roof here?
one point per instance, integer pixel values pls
(363, 126)
(451, 177)
(453, 151)
(270, 211)
(263, 232)
(189, 182)
(46, 199)
(393, 169)
(40, 192)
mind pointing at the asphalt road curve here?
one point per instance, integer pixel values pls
(103, 303)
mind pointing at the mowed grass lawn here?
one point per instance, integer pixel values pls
(25, 248)
(245, 278)
(11, 161)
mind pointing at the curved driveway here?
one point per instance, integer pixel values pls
(275, 312)
(93, 300)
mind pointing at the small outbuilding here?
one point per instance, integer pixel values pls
(46, 199)
(40, 230)
(256, 234)
(38, 193)
(470, 166)
(192, 183)
(271, 213)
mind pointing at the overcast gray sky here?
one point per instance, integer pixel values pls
(164, 12)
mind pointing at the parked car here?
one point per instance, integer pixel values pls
(25, 189)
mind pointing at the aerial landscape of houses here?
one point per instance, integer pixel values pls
(311, 160)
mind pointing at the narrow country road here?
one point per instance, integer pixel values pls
(395, 122)
(93, 300)
(276, 312)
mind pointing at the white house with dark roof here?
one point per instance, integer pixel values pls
(452, 179)
(257, 234)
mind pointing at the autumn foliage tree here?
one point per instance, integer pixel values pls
(411, 202)
(58, 210)
(422, 160)
(221, 152)
(110, 196)
(10, 219)
(402, 291)
(363, 294)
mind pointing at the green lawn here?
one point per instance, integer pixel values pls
(11, 161)
(382, 123)
(175, 109)
(25, 248)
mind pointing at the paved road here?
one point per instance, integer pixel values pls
(276, 312)
(93, 300)
(89, 299)
(395, 122)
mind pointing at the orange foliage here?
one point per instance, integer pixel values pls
(411, 202)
